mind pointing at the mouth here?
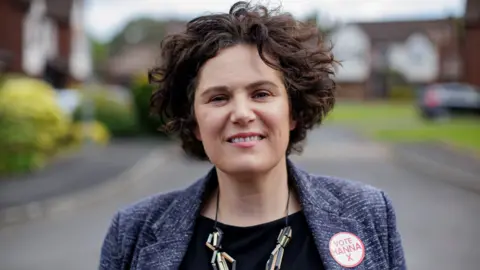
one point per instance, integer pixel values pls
(239, 138)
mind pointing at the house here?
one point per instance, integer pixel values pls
(139, 54)
(44, 39)
(471, 42)
(133, 60)
(373, 54)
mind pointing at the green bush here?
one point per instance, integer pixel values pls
(141, 93)
(399, 88)
(118, 117)
(32, 124)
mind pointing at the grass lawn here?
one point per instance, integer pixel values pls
(400, 122)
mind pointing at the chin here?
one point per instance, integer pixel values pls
(245, 164)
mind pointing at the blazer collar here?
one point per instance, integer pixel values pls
(321, 208)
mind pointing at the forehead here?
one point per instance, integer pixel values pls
(234, 67)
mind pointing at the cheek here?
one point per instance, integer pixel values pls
(209, 124)
(278, 120)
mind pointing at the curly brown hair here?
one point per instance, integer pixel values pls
(298, 49)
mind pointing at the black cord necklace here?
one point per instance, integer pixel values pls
(220, 257)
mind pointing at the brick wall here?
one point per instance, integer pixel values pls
(11, 18)
(472, 54)
(351, 91)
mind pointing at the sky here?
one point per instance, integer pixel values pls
(104, 18)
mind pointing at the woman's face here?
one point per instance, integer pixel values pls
(242, 112)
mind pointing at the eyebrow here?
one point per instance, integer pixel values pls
(253, 85)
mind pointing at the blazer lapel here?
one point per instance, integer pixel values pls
(174, 229)
(322, 211)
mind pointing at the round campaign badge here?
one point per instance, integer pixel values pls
(347, 249)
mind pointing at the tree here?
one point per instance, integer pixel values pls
(312, 17)
(316, 19)
(99, 56)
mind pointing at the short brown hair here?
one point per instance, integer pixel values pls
(298, 49)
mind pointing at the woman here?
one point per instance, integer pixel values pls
(241, 90)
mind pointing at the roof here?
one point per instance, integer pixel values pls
(134, 59)
(398, 31)
(443, 33)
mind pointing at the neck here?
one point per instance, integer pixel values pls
(254, 199)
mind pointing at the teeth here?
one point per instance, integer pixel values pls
(246, 139)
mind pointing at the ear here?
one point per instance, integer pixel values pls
(293, 124)
(196, 131)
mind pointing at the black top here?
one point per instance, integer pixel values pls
(251, 246)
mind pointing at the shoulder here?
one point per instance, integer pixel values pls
(352, 194)
(369, 206)
(349, 197)
(130, 229)
(143, 213)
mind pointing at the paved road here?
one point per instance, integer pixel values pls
(439, 222)
(89, 167)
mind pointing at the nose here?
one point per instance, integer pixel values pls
(242, 112)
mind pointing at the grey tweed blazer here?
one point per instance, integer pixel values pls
(155, 232)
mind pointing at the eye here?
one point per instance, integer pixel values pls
(261, 94)
(218, 98)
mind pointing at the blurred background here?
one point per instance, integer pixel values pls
(77, 142)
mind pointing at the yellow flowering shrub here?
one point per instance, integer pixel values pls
(31, 124)
(93, 131)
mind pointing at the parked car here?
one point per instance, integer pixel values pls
(443, 100)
